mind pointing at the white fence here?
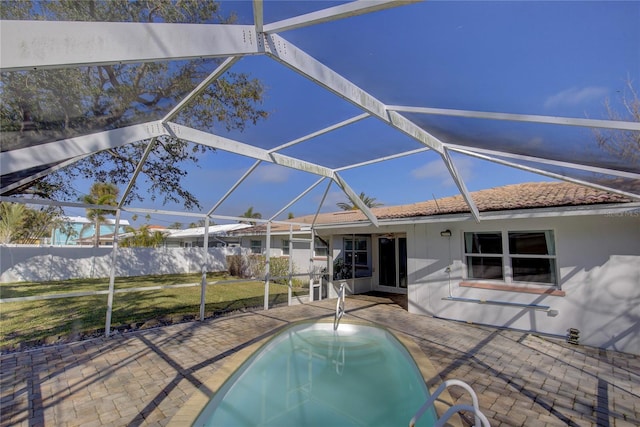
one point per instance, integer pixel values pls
(37, 264)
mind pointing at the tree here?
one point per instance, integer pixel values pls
(199, 223)
(369, 202)
(104, 194)
(624, 145)
(22, 224)
(175, 226)
(46, 105)
(12, 219)
(251, 215)
(143, 237)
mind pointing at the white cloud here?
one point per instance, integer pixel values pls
(576, 96)
(333, 197)
(437, 171)
(272, 173)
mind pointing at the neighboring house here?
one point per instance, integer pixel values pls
(194, 237)
(546, 258)
(83, 232)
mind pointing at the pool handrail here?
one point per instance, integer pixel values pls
(480, 418)
(339, 307)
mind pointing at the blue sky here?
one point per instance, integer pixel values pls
(543, 58)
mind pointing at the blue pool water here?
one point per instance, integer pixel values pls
(311, 375)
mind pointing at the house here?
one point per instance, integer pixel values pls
(551, 258)
(78, 230)
(219, 236)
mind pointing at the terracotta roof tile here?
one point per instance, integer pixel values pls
(510, 197)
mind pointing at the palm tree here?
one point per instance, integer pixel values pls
(199, 223)
(12, 219)
(143, 237)
(251, 214)
(105, 194)
(369, 202)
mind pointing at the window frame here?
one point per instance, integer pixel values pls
(253, 247)
(367, 252)
(319, 247)
(286, 247)
(507, 257)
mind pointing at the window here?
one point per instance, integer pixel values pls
(529, 256)
(256, 246)
(532, 255)
(285, 247)
(483, 253)
(356, 255)
(320, 248)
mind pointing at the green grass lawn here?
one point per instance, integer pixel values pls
(29, 323)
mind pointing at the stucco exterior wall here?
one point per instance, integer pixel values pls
(598, 260)
(59, 263)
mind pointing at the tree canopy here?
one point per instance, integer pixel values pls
(104, 194)
(622, 144)
(20, 223)
(369, 202)
(143, 237)
(46, 105)
(249, 213)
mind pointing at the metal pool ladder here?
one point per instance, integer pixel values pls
(480, 418)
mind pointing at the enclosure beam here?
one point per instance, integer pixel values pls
(321, 132)
(531, 118)
(301, 62)
(205, 255)
(56, 151)
(383, 159)
(222, 68)
(559, 163)
(298, 60)
(290, 290)
(312, 274)
(267, 269)
(461, 186)
(324, 197)
(549, 174)
(236, 185)
(112, 276)
(41, 174)
(232, 146)
(258, 15)
(347, 10)
(356, 200)
(136, 173)
(28, 45)
(300, 196)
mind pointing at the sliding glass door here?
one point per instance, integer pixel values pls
(392, 262)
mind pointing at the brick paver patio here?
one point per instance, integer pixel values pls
(143, 378)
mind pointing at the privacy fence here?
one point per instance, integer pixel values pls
(40, 264)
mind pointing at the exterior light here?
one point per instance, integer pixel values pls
(446, 233)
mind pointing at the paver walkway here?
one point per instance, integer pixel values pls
(143, 378)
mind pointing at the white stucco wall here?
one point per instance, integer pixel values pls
(23, 263)
(598, 259)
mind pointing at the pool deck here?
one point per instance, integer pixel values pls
(145, 377)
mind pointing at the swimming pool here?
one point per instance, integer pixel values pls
(311, 375)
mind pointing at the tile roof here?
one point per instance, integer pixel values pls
(510, 197)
